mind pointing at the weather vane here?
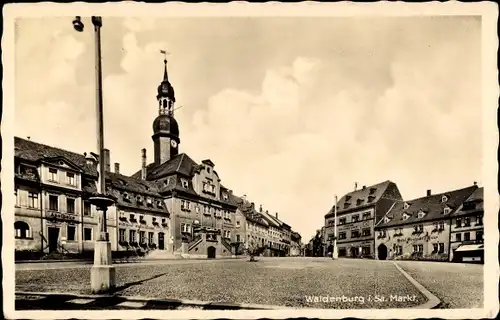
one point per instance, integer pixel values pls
(165, 53)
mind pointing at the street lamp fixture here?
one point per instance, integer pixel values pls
(103, 277)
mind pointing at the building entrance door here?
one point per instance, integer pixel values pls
(161, 241)
(53, 238)
(382, 252)
(354, 252)
(211, 252)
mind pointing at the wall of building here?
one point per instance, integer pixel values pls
(352, 246)
(429, 236)
(476, 226)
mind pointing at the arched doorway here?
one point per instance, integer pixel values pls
(211, 252)
(382, 252)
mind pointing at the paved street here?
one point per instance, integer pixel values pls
(291, 282)
(457, 285)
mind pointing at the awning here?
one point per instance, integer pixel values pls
(470, 247)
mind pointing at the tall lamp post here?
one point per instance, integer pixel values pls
(103, 276)
(335, 253)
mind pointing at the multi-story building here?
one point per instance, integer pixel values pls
(357, 214)
(53, 214)
(202, 215)
(419, 228)
(467, 229)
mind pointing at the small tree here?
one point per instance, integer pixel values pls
(254, 249)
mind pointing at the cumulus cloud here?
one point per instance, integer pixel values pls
(307, 130)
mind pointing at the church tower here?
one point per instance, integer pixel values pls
(165, 128)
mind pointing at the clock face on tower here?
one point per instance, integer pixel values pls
(173, 143)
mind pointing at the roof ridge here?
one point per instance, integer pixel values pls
(443, 193)
(46, 145)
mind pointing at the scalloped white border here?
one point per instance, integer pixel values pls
(489, 13)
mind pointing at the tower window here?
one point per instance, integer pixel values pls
(185, 183)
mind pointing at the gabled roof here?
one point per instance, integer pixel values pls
(122, 182)
(249, 211)
(432, 204)
(178, 164)
(33, 151)
(368, 196)
(473, 204)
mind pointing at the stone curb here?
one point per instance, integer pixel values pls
(432, 301)
(90, 261)
(183, 302)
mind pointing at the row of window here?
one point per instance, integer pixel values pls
(206, 210)
(354, 218)
(466, 221)
(54, 203)
(142, 219)
(54, 177)
(458, 236)
(142, 238)
(23, 231)
(354, 234)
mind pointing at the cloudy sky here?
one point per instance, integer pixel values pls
(291, 110)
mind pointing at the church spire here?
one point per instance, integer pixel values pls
(166, 95)
(165, 73)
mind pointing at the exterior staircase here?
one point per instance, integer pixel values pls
(161, 255)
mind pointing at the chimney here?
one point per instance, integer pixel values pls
(117, 167)
(355, 186)
(107, 165)
(364, 187)
(260, 208)
(267, 212)
(143, 167)
(475, 183)
(429, 192)
(252, 205)
(277, 215)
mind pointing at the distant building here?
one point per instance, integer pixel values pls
(420, 228)
(357, 214)
(296, 244)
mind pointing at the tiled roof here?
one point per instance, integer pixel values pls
(33, 151)
(431, 205)
(181, 164)
(473, 204)
(367, 196)
(137, 190)
(250, 213)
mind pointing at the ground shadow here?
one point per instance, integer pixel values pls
(130, 284)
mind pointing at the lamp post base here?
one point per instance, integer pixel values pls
(103, 275)
(103, 279)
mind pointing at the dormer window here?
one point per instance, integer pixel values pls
(149, 202)
(359, 201)
(185, 183)
(372, 190)
(447, 210)
(371, 198)
(139, 199)
(405, 216)
(346, 205)
(347, 198)
(421, 214)
(126, 197)
(225, 196)
(159, 204)
(387, 219)
(208, 169)
(444, 198)
(406, 205)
